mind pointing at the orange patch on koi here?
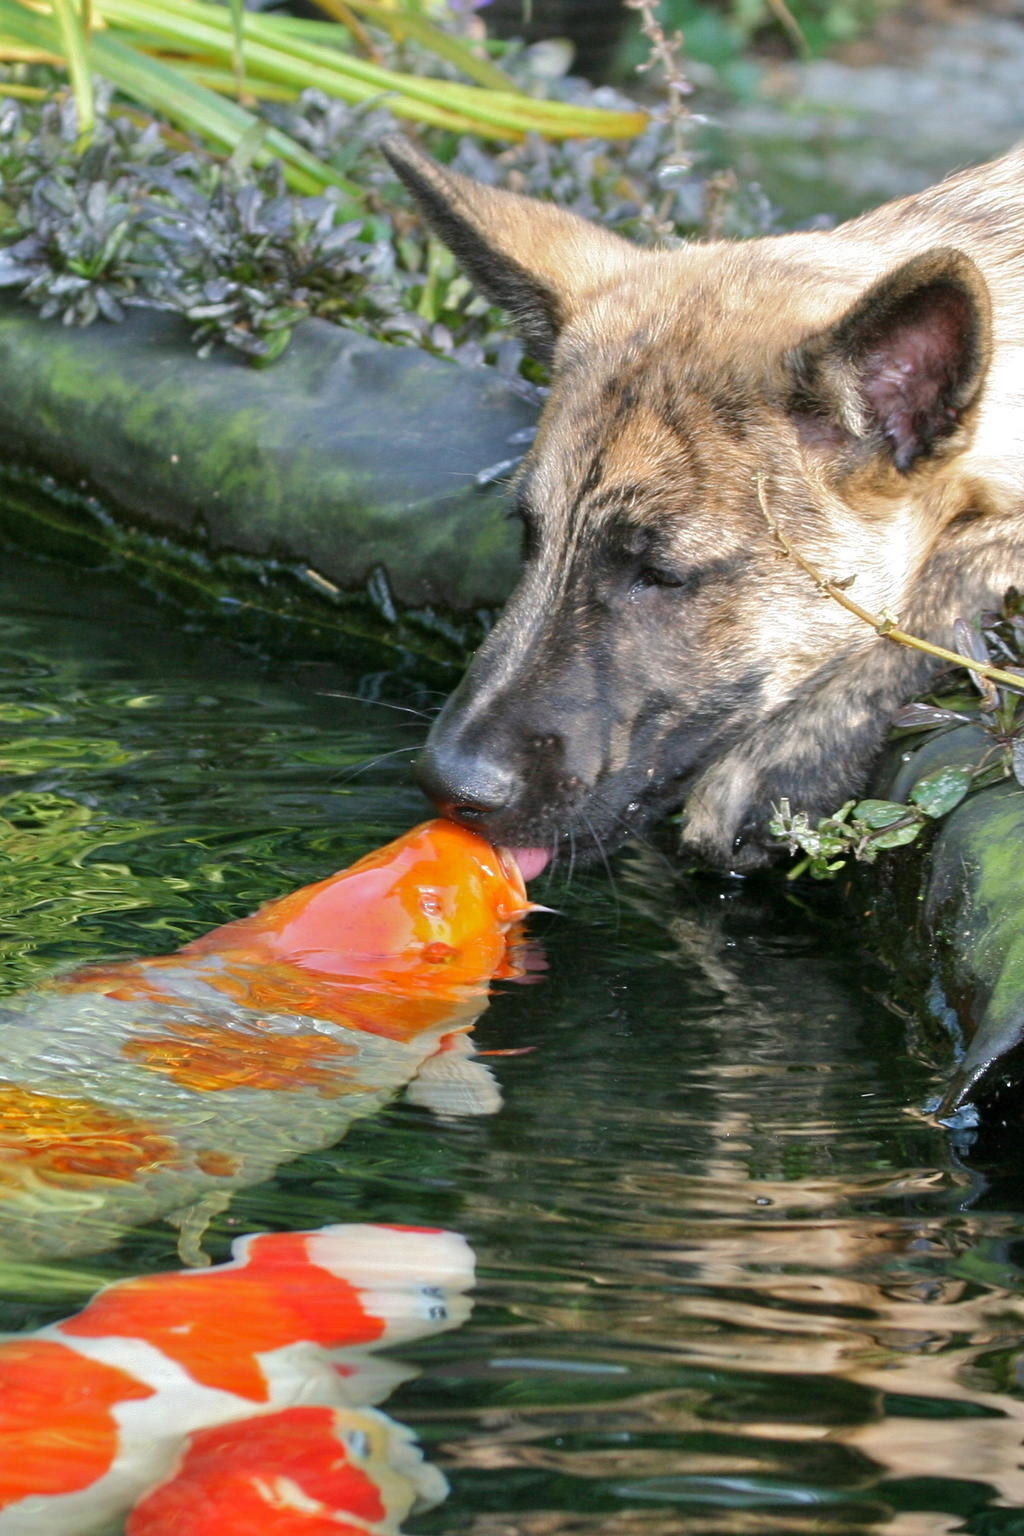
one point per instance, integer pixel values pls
(207, 1058)
(405, 935)
(63, 1140)
(57, 1426)
(219, 1165)
(287, 1472)
(278, 1296)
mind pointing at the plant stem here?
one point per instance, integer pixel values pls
(664, 52)
(784, 16)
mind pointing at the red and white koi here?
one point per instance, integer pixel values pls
(234, 1398)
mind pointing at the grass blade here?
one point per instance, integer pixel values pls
(75, 40)
(237, 9)
(165, 90)
(407, 23)
(281, 56)
(162, 89)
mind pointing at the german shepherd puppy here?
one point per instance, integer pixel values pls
(861, 390)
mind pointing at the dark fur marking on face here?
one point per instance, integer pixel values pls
(620, 397)
(965, 519)
(592, 476)
(731, 411)
(686, 410)
(614, 499)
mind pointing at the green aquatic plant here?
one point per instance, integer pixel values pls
(133, 221)
(861, 829)
(248, 261)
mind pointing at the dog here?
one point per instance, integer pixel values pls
(851, 396)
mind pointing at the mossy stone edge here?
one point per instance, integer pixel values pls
(347, 455)
(957, 904)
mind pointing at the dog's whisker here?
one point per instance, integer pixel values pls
(374, 762)
(599, 845)
(357, 698)
(572, 857)
(636, 834)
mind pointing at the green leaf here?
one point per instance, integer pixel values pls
(878, 813)
(237, 9)
(898, 836)
(818, 869)
(75, 42)
(163, 89)
(940, 792)
(408, 23)
(280, 56)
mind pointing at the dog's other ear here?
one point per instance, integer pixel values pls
(905, 363)
(532, 258)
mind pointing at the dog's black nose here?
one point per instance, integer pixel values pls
(465, 786)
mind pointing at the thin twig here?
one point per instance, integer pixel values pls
(886, 627)
(784, 16)
(665, 53)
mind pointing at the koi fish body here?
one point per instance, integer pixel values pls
(262, 1361)
(136, 1089)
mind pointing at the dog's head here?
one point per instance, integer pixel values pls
(660, 647)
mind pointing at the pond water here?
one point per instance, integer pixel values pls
(730, 1277)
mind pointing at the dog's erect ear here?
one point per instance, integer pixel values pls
(906, 362)
(532, 258)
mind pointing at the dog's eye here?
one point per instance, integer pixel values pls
(652, 576)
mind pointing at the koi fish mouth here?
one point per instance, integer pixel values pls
(531, 861)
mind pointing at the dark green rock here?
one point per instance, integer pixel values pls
(960, 900)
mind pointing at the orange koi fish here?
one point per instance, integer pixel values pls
(240, 1391)
(134, 1089)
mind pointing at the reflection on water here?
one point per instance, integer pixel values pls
(756, 1297)
(730, 1279)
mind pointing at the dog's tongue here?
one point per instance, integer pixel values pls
(531, 861)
